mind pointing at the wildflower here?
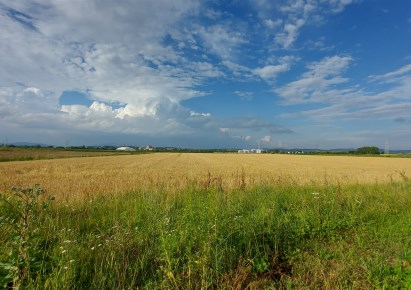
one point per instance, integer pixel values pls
(65, 267)
(72, 261)
(64, 251)
(67, 241)
(92, 248)
(99, 245)
(315, 193)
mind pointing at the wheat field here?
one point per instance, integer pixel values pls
(77, 178)
(206, 221)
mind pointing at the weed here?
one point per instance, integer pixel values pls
(23, 217)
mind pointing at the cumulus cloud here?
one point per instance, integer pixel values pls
(114, 51)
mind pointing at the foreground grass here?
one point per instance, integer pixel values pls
(283, 236)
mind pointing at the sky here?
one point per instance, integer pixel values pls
(206, 74)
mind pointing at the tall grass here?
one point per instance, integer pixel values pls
(282, 236)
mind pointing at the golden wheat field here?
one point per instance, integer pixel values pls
(77, 178)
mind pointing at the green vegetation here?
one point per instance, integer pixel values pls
(279, 236)
(368, 150)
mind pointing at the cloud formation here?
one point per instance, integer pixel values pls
(192, 69)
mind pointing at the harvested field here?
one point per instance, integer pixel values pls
(77, 177)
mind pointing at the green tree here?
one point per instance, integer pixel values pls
(368, 150)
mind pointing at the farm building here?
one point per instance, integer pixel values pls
(125, 148)
(255, 151)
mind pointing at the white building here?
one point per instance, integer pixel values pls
(125, 148)
(246, 151)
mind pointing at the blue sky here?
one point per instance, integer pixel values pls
(206, 74)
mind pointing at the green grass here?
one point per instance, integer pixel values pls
(268, 237)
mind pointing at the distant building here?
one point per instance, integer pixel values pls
(149, 147)
(254, 151)
(125, 148)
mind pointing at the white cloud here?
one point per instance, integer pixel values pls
(338, 5)
(247, 96)
(273, 24)
(224, 130)
(274, 67)
(329, 66)
(114, 51)
(293, 15)
(392, 75)
(352, 103)
(266, 139)
(236, 69)
(222, 40)
(289, 34)
(270, 72)
(320, 77)
(164, 116)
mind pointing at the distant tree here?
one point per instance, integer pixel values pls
(368, 150)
